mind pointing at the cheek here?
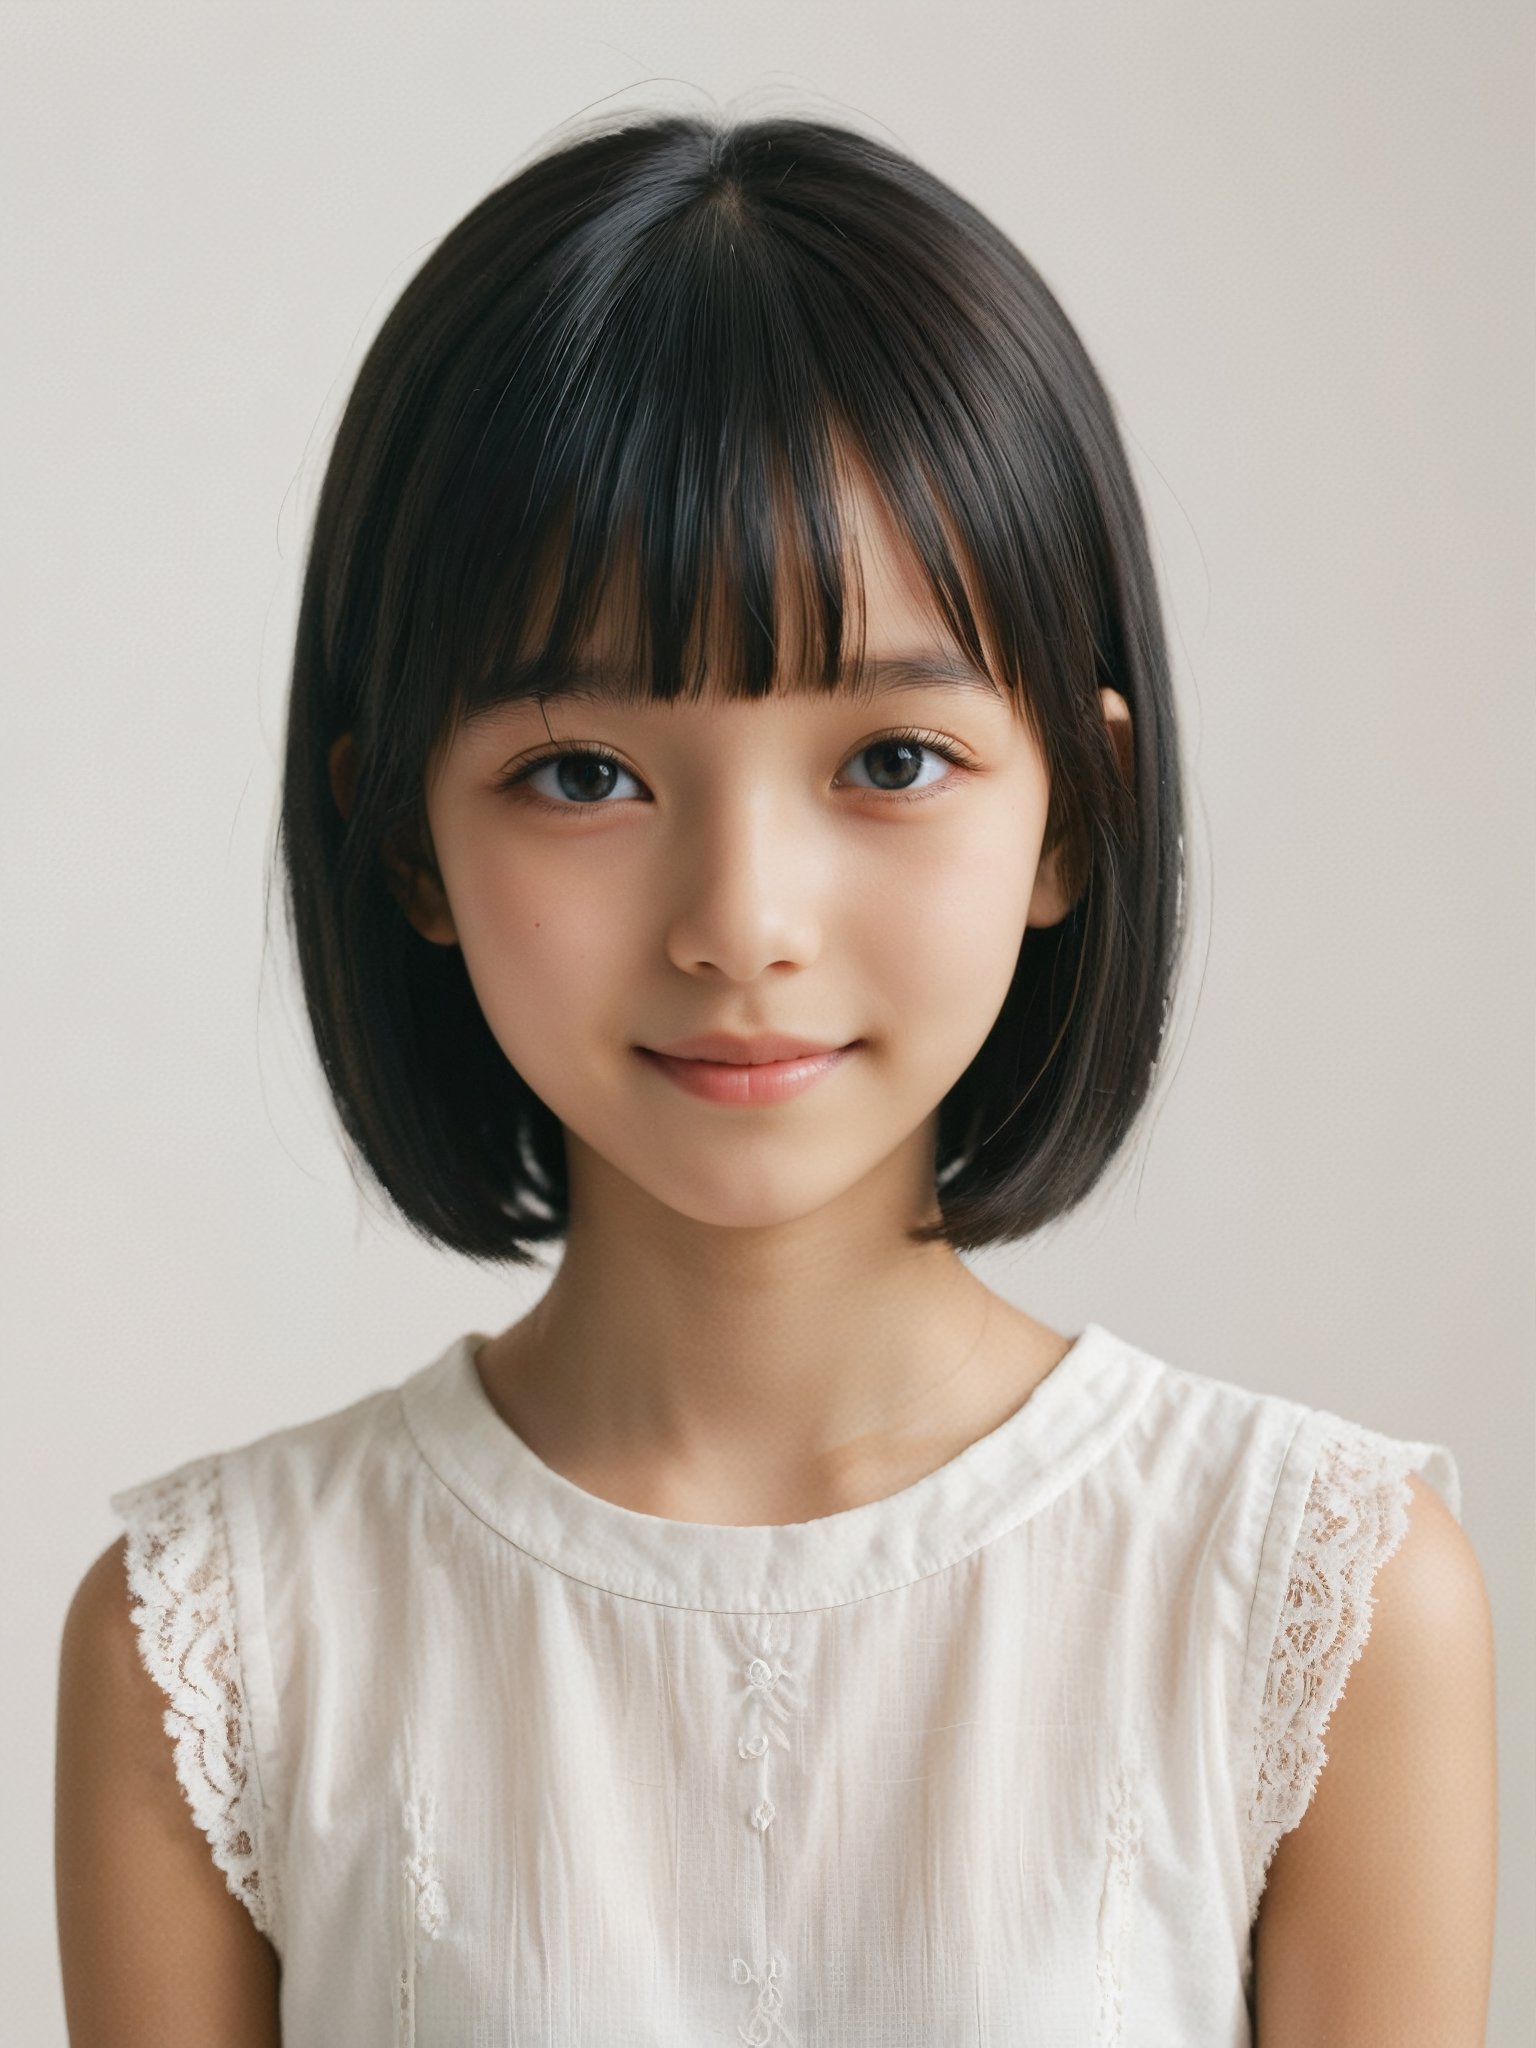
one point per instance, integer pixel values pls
(543, 945)
(941, 941)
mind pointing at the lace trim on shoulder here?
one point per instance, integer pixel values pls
(1355, 1517)
(179, 1575)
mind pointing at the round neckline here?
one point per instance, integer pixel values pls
(996, 1482)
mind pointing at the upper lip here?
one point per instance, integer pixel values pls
(742, 1052)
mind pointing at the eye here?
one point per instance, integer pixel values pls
(897, 752)
(587, 785)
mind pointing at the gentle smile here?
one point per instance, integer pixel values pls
(743, 1084)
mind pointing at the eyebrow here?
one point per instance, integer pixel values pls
(593, 682)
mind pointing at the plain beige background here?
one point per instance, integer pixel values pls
(1297, 242)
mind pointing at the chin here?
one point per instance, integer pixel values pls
(737, 1199)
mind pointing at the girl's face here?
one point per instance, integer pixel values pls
(749, 867)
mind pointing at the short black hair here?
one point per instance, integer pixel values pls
(660, 333)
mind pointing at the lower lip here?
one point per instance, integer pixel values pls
(772, 1081)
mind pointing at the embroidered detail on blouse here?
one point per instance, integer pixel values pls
(426, 1909)
(768, 1697)
(1123, 1844)
(765, 2025)
(178, 1572)
(767, 1691)
(421, 1866)
(1356, 1515)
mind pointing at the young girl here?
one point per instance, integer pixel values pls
(776, 1636)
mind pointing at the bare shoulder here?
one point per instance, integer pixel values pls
(1376, 1923)
(154, 1948)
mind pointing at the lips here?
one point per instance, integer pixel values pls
(727, 1050)
(747, 1084)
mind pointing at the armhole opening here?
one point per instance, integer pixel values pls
(1354, 1518)
(179, 1577)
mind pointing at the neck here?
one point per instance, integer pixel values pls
(808, 1361)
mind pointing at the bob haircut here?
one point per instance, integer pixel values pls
(659, 336)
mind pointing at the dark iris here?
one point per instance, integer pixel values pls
(578, 780)
(906, 747)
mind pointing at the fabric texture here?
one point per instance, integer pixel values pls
(1002, 1758)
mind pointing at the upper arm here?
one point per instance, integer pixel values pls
(156, 1952)
(1376, 1923)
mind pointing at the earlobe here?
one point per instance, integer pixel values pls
(1051, 898)
(1049, 901)
(424, 904)
(417, 888)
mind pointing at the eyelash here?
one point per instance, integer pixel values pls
(933, 742)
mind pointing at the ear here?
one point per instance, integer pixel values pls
(1051, 898)
(415, 882)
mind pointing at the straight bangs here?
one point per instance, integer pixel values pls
(658, 425)
(635, 384)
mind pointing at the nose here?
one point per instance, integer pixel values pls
(747, 890)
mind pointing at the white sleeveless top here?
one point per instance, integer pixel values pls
(1000, 1758)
